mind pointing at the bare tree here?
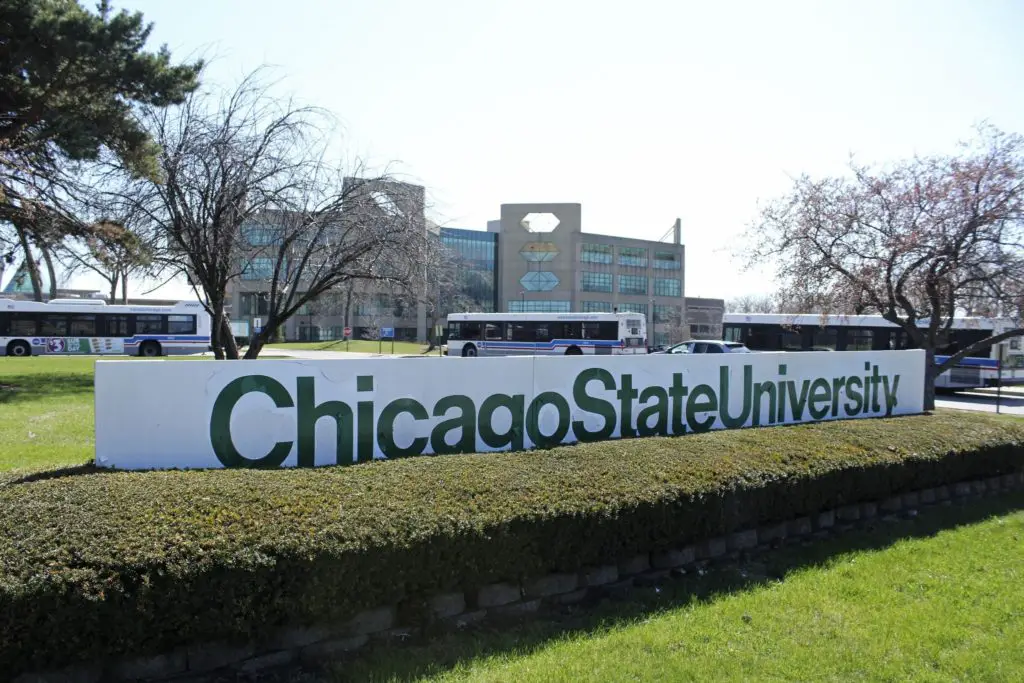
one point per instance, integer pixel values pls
(246, 195)
(916, 243)
(344, 230)
(752, 303)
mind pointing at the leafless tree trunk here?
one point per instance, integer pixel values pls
(31, 265)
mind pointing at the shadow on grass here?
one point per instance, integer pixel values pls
(417, 658)
(32, 387)
(14, 479)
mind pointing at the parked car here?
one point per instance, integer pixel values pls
(707, 346)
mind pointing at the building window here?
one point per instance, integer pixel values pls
(595, 282)
(667, 286)
(632, 284)
(518, 306)
(633, 308)
(633, 256)
(254, 304)
(259, 235)
(473, 254)
(597, 306)
(668, 315)
(596, 253)
(667, 260)
(259, 268)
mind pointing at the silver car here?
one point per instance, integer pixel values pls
(708, 346)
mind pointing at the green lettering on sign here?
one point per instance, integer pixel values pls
(220, 421)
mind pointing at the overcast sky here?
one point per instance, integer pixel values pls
(641, 111)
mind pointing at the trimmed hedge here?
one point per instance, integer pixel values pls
(97, 564)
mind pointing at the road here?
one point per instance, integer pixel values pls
(984, 400)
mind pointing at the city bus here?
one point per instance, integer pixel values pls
(813, 332)
(91, 326)
(553, 334)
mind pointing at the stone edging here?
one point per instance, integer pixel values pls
(311, 645)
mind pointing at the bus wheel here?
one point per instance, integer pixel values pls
(149, 349)
(469, 350)
(19, 348)
(573, 351)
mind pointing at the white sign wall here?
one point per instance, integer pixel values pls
(286, 413)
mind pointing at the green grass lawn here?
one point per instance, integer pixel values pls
(356, 345)
(46, 410)
(944, 602)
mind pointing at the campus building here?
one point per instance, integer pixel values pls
(704, 317)
(534, 258)
(547, 263)
(365, 307)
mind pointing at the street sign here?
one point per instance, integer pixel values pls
(257, 324)
(387, 333)
(348, 331)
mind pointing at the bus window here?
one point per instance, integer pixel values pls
(53, 326)
(117, 326)
(521, 332)
(825, 339)
(23, 324)
(544, 331)
(492, 332)
(859, 340)
(606, 331)
(181, 324)
(83, 325)
(149, 324)
(5, 322)
(791, 341)
(465, 331)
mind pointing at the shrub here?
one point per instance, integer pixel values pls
(95, 564)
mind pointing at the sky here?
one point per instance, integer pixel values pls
(643, 112)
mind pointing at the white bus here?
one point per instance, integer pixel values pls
(570, 334)
(811, 332)
(90, 326)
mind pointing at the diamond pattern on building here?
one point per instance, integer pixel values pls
(540, 222)
(538, 252)
(539, 281)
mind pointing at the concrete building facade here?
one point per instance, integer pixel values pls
(704, 317)
(547, 263)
